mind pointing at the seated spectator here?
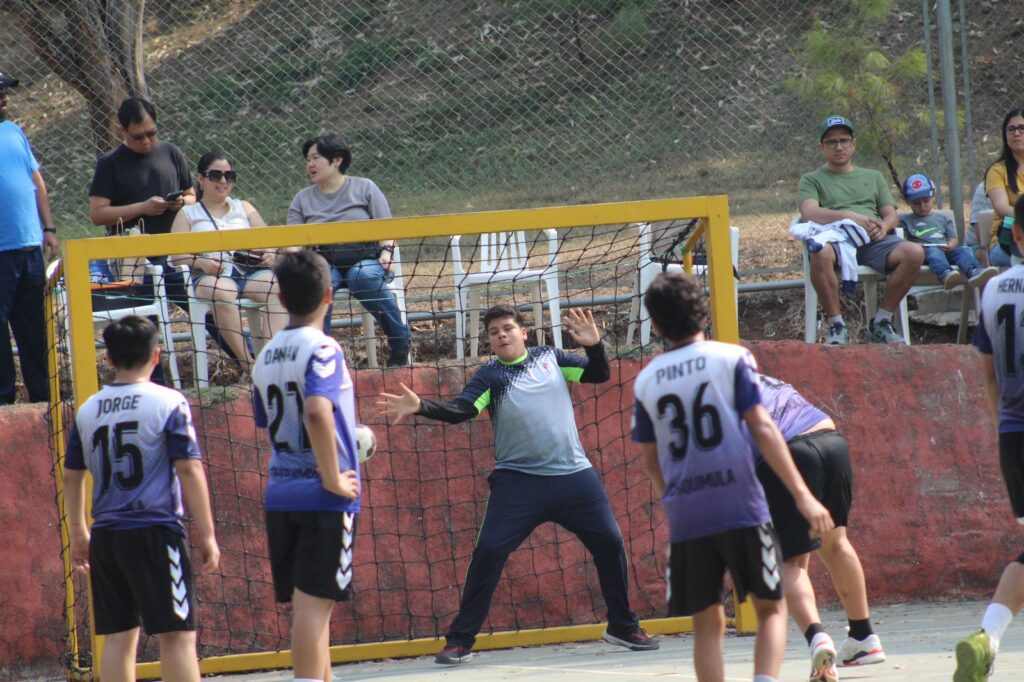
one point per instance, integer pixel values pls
(225, 277)
(1004, 184)
(839, 191)
(954, 265)
(972, 237)
(364, 268)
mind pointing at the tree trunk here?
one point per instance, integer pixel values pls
(95, 46)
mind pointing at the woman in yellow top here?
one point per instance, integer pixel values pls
(1004, 181)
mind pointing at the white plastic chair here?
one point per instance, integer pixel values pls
(158, 308)
(503, 257)
(198, 308)
(396, 287)
(654, 239)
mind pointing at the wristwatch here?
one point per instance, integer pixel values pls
(52, 230)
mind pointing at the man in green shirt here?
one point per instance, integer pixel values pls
(838, 191)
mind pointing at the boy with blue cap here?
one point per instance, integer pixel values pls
(953, 264)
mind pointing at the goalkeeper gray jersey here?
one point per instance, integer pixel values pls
(531, 410)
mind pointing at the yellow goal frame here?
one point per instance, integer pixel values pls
(712, 212)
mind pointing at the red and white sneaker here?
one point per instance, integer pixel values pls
(455, 654)
(861, 651)
(823, 659)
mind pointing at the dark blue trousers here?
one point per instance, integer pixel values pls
(22, 283)
(517, 505)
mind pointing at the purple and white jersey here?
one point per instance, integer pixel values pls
(789, 410)
(300, 362)
(690, 401)
(128, 436)
(1000, 333)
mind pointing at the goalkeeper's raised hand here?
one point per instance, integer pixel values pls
(581, 327)
(399, 406)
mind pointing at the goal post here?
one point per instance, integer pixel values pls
(599, 261)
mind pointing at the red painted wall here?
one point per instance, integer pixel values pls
(930, 516)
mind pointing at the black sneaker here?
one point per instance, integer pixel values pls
(637, 640)
(456, 654)
(400, 358)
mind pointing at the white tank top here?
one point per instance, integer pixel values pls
(234, 219)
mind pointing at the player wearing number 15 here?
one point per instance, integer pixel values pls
(999, 338)
(690, 402)
(303, 395)
(137, 440)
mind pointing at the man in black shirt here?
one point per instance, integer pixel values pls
(132, 182)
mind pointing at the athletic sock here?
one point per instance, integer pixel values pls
(995, 621)
(306, 679)
(861, 629)
(882, 316)
(811, 631)
(764, 678)
(836, 319)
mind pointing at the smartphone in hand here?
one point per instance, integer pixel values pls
(174, 196)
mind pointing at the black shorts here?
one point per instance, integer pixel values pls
(143, 572)
(311, 551)
(1011, 460)
(696, 568)
(823, 460)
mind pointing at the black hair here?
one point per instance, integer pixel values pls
(130, 341)
(304, 278)
(1006, 156)
(134, 110)
(497, 312)
(1018, 212)
(331, 146)
(207, 160)
(677, 305)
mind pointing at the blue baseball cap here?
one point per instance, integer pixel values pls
(834, 122)
(918, 186)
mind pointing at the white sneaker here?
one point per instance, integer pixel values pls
(861, 652)
(823, 659)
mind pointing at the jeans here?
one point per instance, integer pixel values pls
(941, 262)
(22, 284)
(998, 257)
(367, 282)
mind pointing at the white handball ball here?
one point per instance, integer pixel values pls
(366, 442)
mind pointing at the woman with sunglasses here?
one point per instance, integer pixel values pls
(224, 277)
(1004, 184)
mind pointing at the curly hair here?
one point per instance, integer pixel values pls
(677, 304)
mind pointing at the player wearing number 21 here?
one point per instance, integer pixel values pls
(690, 402)
(303, 395)
(137, 440)
(541, 472)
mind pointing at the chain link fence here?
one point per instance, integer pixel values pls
(461, 105)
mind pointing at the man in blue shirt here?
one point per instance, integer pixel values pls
(25, 223)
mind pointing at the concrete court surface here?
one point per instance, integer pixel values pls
(918, 639)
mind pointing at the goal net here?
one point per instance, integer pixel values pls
(425, 490)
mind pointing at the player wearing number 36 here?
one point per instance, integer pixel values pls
(137, 440)
(690, 402)
(303, 395)
(541, 472)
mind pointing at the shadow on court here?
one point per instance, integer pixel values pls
(918, 640)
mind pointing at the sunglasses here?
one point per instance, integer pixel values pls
(139, 137)
(218, 175)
